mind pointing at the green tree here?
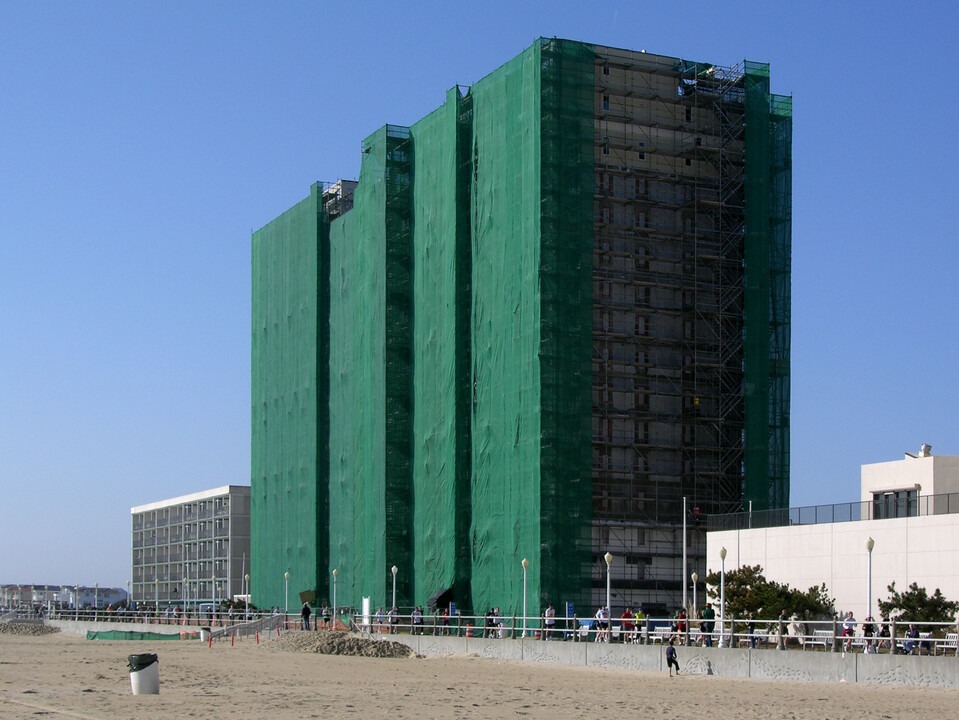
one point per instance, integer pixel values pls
(915, 605)
(748, 591)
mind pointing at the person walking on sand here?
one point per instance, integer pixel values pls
(671, 660)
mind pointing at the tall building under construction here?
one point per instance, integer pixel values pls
(549, 316)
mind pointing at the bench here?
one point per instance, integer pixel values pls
(861, 641)
(819, 637)
(761, 637)
(660, 634)
(951, 642)
(924, 641)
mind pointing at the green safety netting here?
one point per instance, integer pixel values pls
(133, 635)
(780, 274)
(289, 463)
(441, 438)
(370, 375)
(531, 326)
(768, 168)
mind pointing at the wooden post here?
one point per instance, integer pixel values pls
(835, 643)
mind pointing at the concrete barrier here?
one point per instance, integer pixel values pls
(810, 666)
(82, 626)
(562, 653)
(694, 660)
(629, 657)
(724, 662)
(908, 670)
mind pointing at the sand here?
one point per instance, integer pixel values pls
(67, 676)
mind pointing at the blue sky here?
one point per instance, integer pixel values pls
(140, 143)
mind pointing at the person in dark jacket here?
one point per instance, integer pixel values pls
(671, 660)
(305, 616)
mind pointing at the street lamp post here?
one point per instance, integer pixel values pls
(96, 600)
(393, 570)
(213, 610)
(186, 599)
(695, 578)
(129, 597)
(76, 603)
(682, 574)
(247, 612)
(870, 544)
(608, 557)
(286, 608)
(722, 598)
(336, 574)
(525, 566)
(156, 596)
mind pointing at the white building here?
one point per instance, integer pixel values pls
(192, 549)
(909, 508)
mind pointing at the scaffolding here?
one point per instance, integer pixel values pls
(669, 417)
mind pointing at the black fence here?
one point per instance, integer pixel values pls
(879, 509)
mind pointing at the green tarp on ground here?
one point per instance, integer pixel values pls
(132, 635)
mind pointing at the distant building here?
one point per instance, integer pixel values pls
(13, 596)
(183, 545)
(60, 596)
(908, 507)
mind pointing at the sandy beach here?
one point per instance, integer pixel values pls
(63, 675)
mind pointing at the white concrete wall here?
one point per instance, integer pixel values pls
(917, 549)
(810, 666)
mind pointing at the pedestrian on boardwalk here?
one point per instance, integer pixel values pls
(305, 616)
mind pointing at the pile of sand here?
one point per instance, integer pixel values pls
(337, 643)
(26, 628)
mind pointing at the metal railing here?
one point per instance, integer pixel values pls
(826, 635)
(942, 504)
(829, 635)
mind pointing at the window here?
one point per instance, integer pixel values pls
(605, 102)
(689, 162)
(641, 260)
(605, 69)
(895, 504)
(689, 114)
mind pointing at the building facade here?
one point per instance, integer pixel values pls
(910, 510)
(190, 549)
(555, 307)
